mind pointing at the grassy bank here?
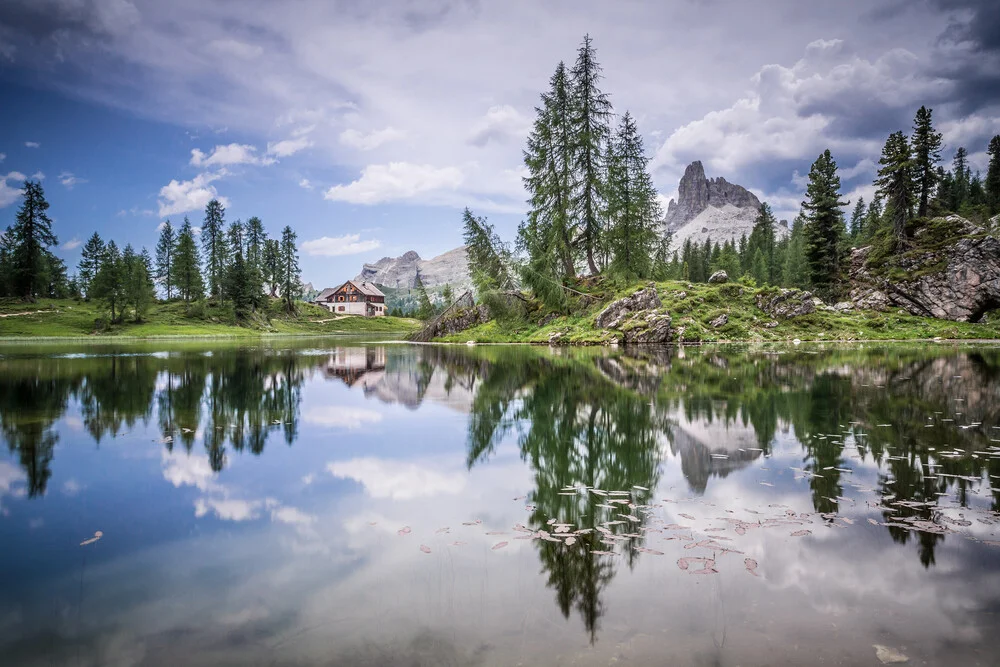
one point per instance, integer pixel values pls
(693, 306)
(51, 318)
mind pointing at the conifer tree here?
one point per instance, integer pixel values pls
(187, 267)
(824, 228)
(447, 294)
(30, 238)
(896, 184)
(590, 122)
(272, 266)
(91, 258)
(256, 238)
(992, 184)
(488, 258)
(633, 209)
(165, 257)
(214, 246)
(926, 154)
(424, 307)
(873, 219)
(795, 271)
(960, 179)
(109, 283)
(138, 288)
(291, 282)
(857, 226)
(762, 238)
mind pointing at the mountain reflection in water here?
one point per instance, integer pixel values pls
(899, 441)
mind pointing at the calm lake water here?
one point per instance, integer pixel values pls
(318, 503)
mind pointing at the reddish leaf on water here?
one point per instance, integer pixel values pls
(687, 516)
(426, 549)
(405, 530)
(801, 533)
(751, 566)
(499, 545)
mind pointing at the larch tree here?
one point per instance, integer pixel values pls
(30, 238)
(590, 119)
(896, 184)
(489, 260)
(291, 282)
(633, 209)
(215, 248)
(165, 246)
(926, 145)
(824, 228)
(91, 257)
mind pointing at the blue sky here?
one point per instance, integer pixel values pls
(368, 127)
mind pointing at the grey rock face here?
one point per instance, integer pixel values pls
(649, 329)
(788, 303)
(718, 278)
(957, 281)
(616, 312)
(720, 321)
(450, 268)
(696, 193)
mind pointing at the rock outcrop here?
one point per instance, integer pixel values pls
(712, 208)
(718, 278)
(461, 315)
(401, 272)
(637, 318)
(616, 312)
(786, 304)
(956, 277)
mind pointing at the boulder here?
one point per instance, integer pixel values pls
(786, 304)
(651, 328)
(718, 278)
(617, 311)
(720, 321)
(956, 277)
(843, 307)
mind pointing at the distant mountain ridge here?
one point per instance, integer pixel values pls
(450, 268)
(712, 208)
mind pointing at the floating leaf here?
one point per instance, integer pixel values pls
(498, 545)
(751, 566)
(442, 530)
(426, 549)
(801, 533)
(405, 530)
(570, 541)
(889, 656)
(688, 517)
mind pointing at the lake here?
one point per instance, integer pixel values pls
(317, 502)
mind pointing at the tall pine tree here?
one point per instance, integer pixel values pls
(256, 237)
(30, 238)
(91, 258)
(272, 266)
(992, 184)
(961, 175)
(291, 279)
(165, 257)
(857, 226)
(590, 122)
(896, 184)
(762, 240)
(488, 259)
(926, 154)
(110, 282)
(824, 228)
(214, 246)
(187, 265)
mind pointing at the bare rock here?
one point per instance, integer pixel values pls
(718, 278)
(696, 192)
(957, 280)
(555, 338)
(617, 311)
(651, 328)
(786, 304)
(720, 321)
(843, 307)
(771, 325)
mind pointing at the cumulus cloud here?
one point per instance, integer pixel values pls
(227, 155)
(181, 469)
(288, 146)
(10, 189)
(32, 144)
(182, 196)
(38, 175)
(341, 417)
(228, 509)
(306, 184)
(69, 180)
(398, 480)
(336, 246)
(394, 182)
(72, 244)
(371, 140)
(501, 123)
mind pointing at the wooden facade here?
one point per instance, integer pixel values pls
(353, 298)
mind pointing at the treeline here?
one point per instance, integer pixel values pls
(592, 207)
(237, 266)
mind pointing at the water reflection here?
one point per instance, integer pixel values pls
(904, 434)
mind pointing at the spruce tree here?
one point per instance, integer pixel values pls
(873, 219)
(762, 238)
(291, 282)
(633, 209)
(91, 258)
(857, 226)
(272, 266)
(992, 184)
(447, 294)
(256, 238)
(895, 183)
(590, 122)
(214, 246)
(424, 307)
(961, 176)
(926, 154)
(30, 238)
(165, 257)
(795, 271)
(824, 229)
(489, 259)
(109, 283)
(187, 266)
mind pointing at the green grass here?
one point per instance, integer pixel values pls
(703, 303)
(51, 318)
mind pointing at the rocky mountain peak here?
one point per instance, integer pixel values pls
(401, 272)
(696, 192)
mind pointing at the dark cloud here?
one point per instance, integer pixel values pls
(41, 20)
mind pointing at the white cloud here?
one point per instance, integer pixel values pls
(10, 193)
(71, 487)
(183, 196)
(305, 183)
(229, 154)
(72, 244)
(288, 146)
(32, 144)
(349, 244)
(181, 469)
(228, 509)
(69, 180)
(370, 141)
(38, 175)
(292, 516)
(340, 416)
(394, 182)
(501, 124)
(398, 480)
(11, 482)
(3, 156)
(232, 47)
